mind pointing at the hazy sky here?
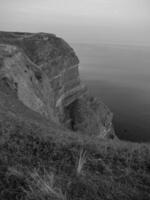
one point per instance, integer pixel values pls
(103, 21)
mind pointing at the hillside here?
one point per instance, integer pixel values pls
(57, 142)
(38, 163)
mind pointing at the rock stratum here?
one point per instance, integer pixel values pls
(39, 72)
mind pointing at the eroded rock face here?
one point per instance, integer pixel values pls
(42, 71)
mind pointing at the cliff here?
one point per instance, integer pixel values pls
(41, 71)
(40, 159)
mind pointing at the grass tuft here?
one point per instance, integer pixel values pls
(43, 186)
(81, 162)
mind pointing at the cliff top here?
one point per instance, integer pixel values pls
(38, 46)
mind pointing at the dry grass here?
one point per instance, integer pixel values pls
(43, 186)
(81, 162)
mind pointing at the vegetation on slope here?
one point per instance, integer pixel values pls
(68, 166)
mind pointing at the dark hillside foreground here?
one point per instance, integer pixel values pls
(37, 163)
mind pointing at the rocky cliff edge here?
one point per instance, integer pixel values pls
(41, 71)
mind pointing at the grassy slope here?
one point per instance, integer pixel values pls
(65, 165)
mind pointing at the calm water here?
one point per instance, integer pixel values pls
(120, 76)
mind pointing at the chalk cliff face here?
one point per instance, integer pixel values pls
(41, 70)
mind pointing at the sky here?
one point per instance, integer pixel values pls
(86, 21)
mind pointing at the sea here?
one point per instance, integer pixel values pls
(120, 76)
